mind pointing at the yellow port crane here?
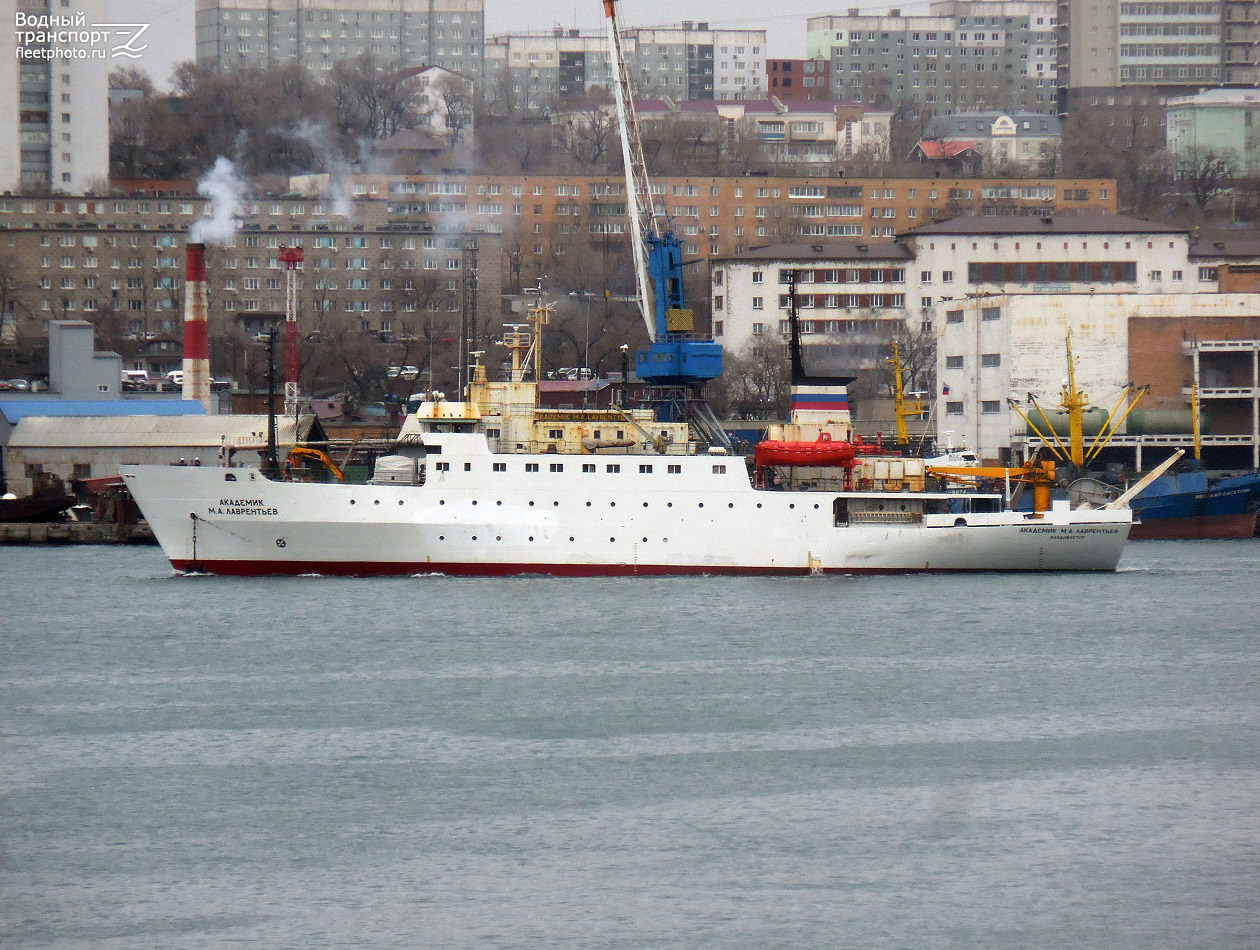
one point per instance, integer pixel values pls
(1074, 402)
(900, 408)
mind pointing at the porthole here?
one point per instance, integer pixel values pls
(816, 507)
(531, 504)
(474, 501)
(352, 501)
(645, 504)
(555, 504)
(645, 540)
(570, 538)
(612, 539)
(376, 501)
(441, 501)
(498, 537)
(474, 537)
(701, 504)
(732, 505)
(588, 504)
(531, 537)
(792, 506)
(498, 503)
(669, 504)
(612, 504)
(400, 501)
(441, 537)
(758, 504)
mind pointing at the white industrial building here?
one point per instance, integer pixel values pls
(95, 446)
(1002, 347)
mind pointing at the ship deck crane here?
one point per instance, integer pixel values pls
(677, 355)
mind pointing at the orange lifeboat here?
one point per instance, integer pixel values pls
(824, 452)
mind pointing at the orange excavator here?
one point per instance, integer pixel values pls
(305, 452)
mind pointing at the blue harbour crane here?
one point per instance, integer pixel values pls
(678, 360)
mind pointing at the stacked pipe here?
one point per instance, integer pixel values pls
(196, 329)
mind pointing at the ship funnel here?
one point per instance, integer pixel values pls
(196, 327)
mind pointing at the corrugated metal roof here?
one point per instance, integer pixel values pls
(15, 409)
(154, 431)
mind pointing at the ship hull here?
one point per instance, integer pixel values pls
(689, 521)
(1190, 506)
(1196, 528)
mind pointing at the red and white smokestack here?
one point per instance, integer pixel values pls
(196, 329)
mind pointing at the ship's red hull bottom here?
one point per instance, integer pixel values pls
(1210, 528)
(397, 569)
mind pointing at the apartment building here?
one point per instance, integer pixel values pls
(1240, 64)
(542, 71)
(795, 80)
(850, 295)
(542, 218)
(1146, 43)
(804, 132)
(54, 101)
(119, 263)
(963, 55)
(318, 33)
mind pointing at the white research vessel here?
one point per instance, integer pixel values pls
(494, 485)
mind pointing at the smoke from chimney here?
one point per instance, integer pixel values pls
(225, 188)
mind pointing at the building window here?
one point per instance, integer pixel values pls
(989, 360)
(953, 362)
(991, 313)
(954, 316)
(953, 408)
(991, 407)
(531, 466)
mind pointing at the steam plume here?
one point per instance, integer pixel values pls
(225, 188)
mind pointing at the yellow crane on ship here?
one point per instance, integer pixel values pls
(901, 409)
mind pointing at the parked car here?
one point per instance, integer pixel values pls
(175, 377)
(134, 380)
(20, 385)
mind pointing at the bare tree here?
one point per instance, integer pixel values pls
(587, 136)
(755, 382)
(1205, 174)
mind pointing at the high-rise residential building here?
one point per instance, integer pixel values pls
(1240, 65)
(318, 33)
(541, 71)
(54, 100)
(1174, 48)
(962, 55)
(1117, 43)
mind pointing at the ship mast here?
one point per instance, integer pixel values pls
(900, 409)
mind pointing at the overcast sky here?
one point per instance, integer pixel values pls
(171, 32)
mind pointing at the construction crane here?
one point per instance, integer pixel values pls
(677, 355)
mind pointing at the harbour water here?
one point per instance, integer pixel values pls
(922, 761)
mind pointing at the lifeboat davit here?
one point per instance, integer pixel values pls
(824, 452)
